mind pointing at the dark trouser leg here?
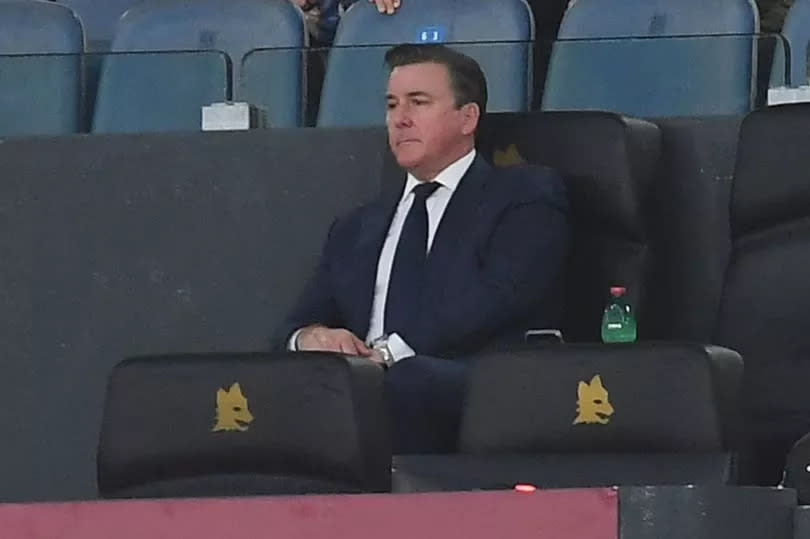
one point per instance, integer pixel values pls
(426, 396)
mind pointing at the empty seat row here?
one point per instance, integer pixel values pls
(164, 91)
(178, 82)
(600, 61)
(42, 94)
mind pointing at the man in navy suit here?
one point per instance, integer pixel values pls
(462, 258)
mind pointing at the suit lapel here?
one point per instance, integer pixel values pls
(457, 220)
(366, 254)
(455, 225)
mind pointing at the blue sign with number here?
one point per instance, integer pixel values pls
(431, 34)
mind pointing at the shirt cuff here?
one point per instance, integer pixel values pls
(399, 348)
(292, 344)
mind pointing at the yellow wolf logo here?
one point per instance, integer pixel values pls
(593, 404)
(232, 410)
(508, 157)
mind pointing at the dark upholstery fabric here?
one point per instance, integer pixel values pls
(667, 414)
(689, 227)
(319, 421)
(770, 184)
(765, 305)
(608, 164)
(660, 398)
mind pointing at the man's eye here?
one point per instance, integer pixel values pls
(391, 105)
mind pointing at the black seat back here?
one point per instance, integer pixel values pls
(607, 162)
(592, 415)
(765, 305)
(230, 424)
(640, 398)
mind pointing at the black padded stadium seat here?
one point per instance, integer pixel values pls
(244, 424)
(765, 305)
(593, 415)
(608, 163)
(797, 470)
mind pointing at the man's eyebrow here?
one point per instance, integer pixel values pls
(411, 94)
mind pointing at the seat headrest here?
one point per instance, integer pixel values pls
(770, 177)
(235, 27)
(39, 28)
(602, 399)
(309, 415)
(607, 160)
(608, 164)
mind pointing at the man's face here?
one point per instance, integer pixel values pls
(426, 131)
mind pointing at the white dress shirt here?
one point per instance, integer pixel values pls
(448, 179)
(436, 204)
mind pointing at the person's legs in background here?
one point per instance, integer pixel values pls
(547, 17)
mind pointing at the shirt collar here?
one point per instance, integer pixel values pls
(450, 177)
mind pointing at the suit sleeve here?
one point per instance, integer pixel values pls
(517, 276)
(317, 304)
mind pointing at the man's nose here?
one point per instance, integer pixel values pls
(401, 117)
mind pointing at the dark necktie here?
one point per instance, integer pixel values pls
(408, 269)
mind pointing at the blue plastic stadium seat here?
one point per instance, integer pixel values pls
(497, 34)
(654, 58)
(99, 18)
(152, 92)
(39, 94)
(797, 34)
(172, 86)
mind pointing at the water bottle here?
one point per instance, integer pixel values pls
(618, 322)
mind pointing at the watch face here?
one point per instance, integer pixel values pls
(381, 346)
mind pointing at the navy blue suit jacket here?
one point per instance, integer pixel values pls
(495, 267)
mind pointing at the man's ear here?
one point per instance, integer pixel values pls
(471, 115)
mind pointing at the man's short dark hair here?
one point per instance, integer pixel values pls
(466, 78)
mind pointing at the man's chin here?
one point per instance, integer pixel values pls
(407, 161)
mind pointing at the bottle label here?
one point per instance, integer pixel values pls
(614, 326)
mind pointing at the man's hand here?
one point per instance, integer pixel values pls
(324, 339)
(386, 6)
(376, 357)
(306, 5)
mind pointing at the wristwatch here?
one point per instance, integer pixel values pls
(380, 345)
